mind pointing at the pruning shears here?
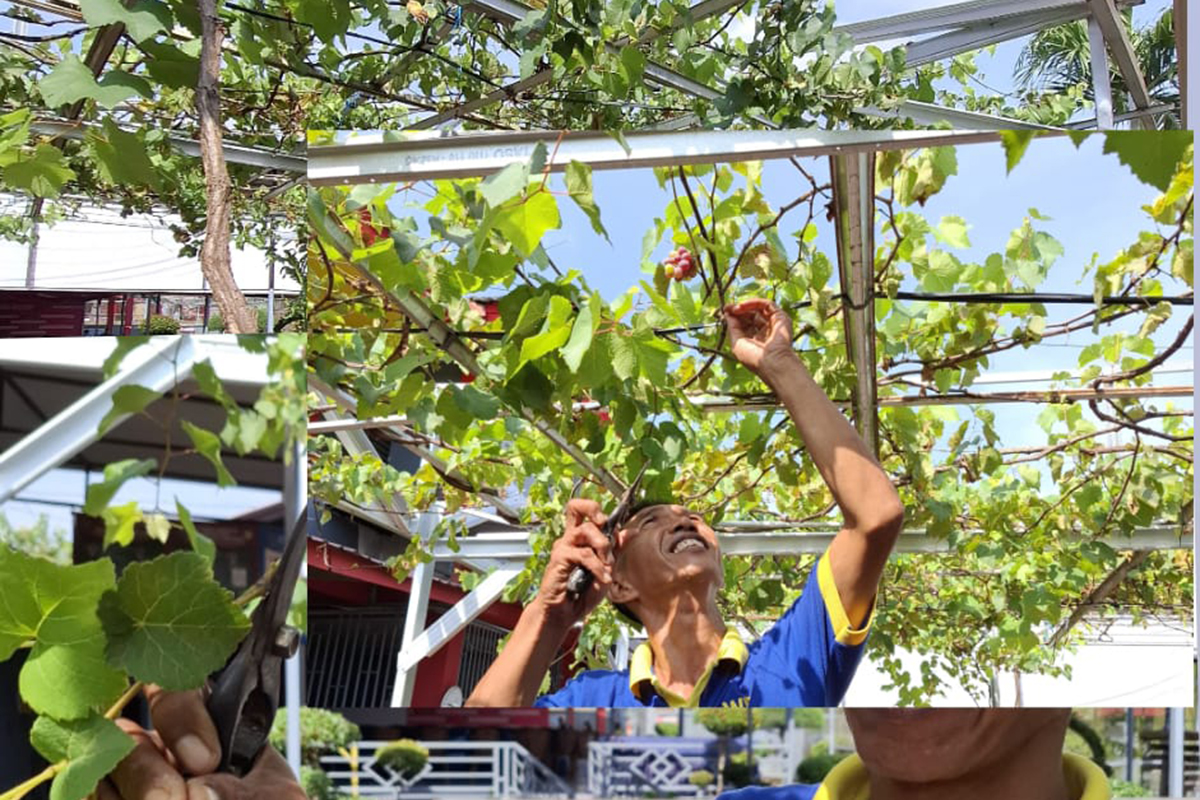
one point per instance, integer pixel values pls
(580, 579)
(245, 692)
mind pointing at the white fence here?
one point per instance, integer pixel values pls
(633, 768)
(455, 769)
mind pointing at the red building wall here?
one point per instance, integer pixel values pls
(24, 313)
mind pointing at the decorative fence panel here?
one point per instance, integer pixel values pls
(455, 769)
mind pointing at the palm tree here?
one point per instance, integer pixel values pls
(1057, 59)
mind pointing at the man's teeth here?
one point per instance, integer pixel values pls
(687, 544)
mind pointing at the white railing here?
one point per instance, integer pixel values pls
(455, 769)
(662, 766)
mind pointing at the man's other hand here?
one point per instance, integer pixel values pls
(760, 334)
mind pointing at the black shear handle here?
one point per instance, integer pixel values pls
(580, 579)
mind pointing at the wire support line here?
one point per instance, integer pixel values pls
(968, 298)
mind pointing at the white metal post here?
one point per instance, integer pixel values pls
(1175, 751)
(295, 503)
(414, 616)
(1101, 86)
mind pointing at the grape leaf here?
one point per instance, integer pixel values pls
(525, 223)
(43, 173)
(479, 405)
(71, 80)
(172, 66)
(1015, 144)
(124, 345)
(208, 444)
(158, 527)
(115, 474)
(142, 19)
(130, 399)
(581, 338)
(579, 186)
(168, 622)
(53, 607)
(122, 156)
(953, 231)
(1152, 157)
(200, 543)
(92, 748)
(505, 184)
(71, 681)
(211, 385)
(119, 523)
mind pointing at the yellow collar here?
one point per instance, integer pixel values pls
(732, 650)
(848, 780)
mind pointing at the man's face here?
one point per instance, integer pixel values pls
(664, 545)
(929, 745)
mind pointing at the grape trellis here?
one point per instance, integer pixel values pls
(996, 570)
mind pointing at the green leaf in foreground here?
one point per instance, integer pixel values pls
(115, 474)
(130, 399)
(93, 747)
(1151, 155)
(208, 444)
(125, 344)
(53, 609)
(200, 543)
(168, 622)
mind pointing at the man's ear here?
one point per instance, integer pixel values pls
(620, 590)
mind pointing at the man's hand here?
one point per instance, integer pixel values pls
(760, 334)
(584, 545)
(176, 760)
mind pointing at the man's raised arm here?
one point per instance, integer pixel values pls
(761, 336)
(516, 674)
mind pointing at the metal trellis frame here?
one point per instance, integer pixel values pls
(961, 27)
(164, 363)
(374, 158)
(854, 217)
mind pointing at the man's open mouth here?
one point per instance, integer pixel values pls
(685, 541)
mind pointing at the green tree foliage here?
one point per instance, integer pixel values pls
(37, 540)
(1057, 61)
(322, 732)
(565, 389)
(159, 325)
(404, 757)
(815, 767)
(94, 636)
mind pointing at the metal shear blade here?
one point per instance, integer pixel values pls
(245, 693)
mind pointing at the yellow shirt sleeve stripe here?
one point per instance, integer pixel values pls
(843, 631)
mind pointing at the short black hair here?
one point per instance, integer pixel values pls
(638, 507)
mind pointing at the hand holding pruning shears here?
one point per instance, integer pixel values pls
(217, 750)
(581, 560)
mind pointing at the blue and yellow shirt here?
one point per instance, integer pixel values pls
(807, 658)
(848, 781)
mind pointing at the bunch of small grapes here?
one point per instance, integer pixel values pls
(680, 264)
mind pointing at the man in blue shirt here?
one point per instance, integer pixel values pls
(931, 754)
(664, 571)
